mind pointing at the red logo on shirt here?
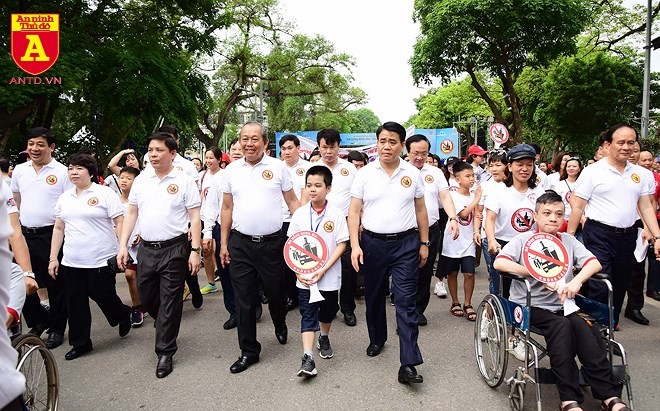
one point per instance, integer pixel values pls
(173, 189)
(93, 201)
(344, 172)
(429, 179)
(568, 197)
(267, 174)
(329, 227)
(406, 182)
(453, 188)
(522, 220)
(635, 178)
(206, 191)
(51, 180)
(300, 171)
(465, 221)
(11, 202)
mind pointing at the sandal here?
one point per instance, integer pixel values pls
(471, 315)
(456, 310)
(613, 402)
(570, 406)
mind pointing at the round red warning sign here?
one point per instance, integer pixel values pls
(499, 133)
(305, 252)
(545, 257)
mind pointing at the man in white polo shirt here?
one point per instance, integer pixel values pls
(436, 196)
(37, 184)
(252, 239)
(390, 194)
(290, 151)
(609, 193)
(167, 201)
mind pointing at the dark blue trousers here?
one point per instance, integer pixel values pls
(223, 273)
(614, 251)
(401, 258)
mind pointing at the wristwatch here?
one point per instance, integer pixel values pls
(198, 250)
(426, 243)
(29, 274)
(453, 218)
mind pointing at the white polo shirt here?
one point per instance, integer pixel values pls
(212, 205)
(89, 233)
(434, 183)
(257, 194)
(388, 202)
(565, 189)
(205, 182)
(10, 203)
(552, 180)
(180, 163)
(464, 245)
(297, 172)
(163, 204)
(542, 179)
(487, 188)
(132, 251)
(515, 210)
(612, 196)
(332, 227)
(343, 174)
(39, 191)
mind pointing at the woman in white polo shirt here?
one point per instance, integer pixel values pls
(87, 220)
(565, 186)
(212, 160)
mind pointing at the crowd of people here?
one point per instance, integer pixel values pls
(389, 225)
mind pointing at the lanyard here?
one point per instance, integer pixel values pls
(311, 211)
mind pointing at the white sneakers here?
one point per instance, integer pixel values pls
(517, 348)
(440, 289)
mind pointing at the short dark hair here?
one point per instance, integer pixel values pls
(290, 137)
(536, 147)
(461, 165)
(497, 156)
(354, 155)
(264, 136)
(171, 130)
(393, 127)
(549, 197)
(314, 152)
(130, 170)
(416, 138)
(320, 171)
(217, 153)
(4, 165)
(41, 132)
(610, 132)
(84, 160)
(166, 138)
(234, 141)
(331, 136)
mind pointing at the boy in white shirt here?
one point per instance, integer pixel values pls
(334, 231)
(460, 253)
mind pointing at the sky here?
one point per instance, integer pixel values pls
(373, 31)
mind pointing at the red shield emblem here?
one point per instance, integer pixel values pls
(35, 41)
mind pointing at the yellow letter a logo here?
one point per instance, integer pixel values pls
(34, 47)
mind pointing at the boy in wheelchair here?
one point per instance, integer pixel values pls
(553, 311)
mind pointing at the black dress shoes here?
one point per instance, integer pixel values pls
(54, 340)
(636, 316)
(230, 323)
(349, 318)
(124, 327)
(422, 321)
(653, 294)
(258, 311)
(164, 366)
(282, 333)
(242, 364)
(197, 298)
(374, 349)
(77, 352)
(408, 375)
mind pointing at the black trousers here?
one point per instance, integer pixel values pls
(289, 275)
(401, 259)
(161, 274)
(348, 282)
(567, 337)
(615, 252)
(251, 263)
(223, 273)
(39, 247)
(653, 280)
(426, 272)
(98, 284)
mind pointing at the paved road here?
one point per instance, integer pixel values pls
(119, 373)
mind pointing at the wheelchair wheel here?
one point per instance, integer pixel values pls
(38, 365)
(517, 396)
(490, 341)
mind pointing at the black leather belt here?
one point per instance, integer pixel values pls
(162, 244)
(258, 238)
(37, 230)
(390, 237)
(612, 229)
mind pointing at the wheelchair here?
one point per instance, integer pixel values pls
(506, 317)
(38, 365)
